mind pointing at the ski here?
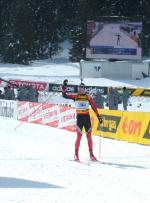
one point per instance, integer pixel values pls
(95, 161)
(88, 162)
(100, 162)
(80, 162)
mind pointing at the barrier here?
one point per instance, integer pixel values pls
(8, 109)
(56, 88)
(47, 114)
(121, 125)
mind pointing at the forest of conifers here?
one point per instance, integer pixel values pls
(35, 29)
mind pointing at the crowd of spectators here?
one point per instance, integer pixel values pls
(28, 93)
(113, 99)
(22, 93)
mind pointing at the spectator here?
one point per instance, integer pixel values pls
(99, 100)
(125, 98)
(9, 93)
(110, 99)
(116, 98)
(22, 93)
(113, 99)
(32, 94)
(1, 95)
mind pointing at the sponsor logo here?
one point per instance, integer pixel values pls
(131, 127)
(36, 85)
(74, 88)
(110, 123)
(97, 68)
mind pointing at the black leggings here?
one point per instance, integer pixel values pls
(83, 120)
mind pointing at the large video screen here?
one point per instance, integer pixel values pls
(114, 40)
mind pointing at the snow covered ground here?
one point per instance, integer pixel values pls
(35, 168)
(35, 164)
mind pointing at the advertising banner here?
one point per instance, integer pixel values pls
(73, 88)
(122, 125)
(8, 108)
(36, 85)
(47, 114)
(111, 39)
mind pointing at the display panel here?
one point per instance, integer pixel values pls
(114, 40)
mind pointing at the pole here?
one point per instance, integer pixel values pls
(100, 143)
(100, 147)
(81, 73)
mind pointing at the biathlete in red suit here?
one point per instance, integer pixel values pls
(82, 102)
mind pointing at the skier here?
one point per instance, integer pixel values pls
(118, 38)
(82, 102)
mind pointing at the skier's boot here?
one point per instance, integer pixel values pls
(92, 157)
(76, 156)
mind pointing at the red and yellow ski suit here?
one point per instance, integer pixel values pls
(82, 102)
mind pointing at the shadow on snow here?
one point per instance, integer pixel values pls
(8, 182)
(119, 165)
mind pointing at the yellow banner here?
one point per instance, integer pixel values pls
(123, 125)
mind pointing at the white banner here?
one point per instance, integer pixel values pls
(8, 108)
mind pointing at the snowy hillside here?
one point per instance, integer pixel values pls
(35, 168)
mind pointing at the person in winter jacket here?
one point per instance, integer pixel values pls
(99, 100)
(116, 98)
(113, 98)
(82, 102)
(1, 95)
(9, 93)
(125, 98)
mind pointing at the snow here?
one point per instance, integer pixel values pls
(35, 161)
(35, 167)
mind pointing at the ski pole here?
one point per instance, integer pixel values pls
(100, 147)
(100, 143)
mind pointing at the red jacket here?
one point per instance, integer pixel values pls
(82, 102)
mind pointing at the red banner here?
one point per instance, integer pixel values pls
(36, 85)
(47, 114)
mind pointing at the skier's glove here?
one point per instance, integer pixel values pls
(100, 119)
(64, 89)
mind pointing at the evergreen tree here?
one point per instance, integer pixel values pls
(146, 28)
(34, 30)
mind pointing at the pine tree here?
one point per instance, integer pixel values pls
(33, 30)
(146, 28)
